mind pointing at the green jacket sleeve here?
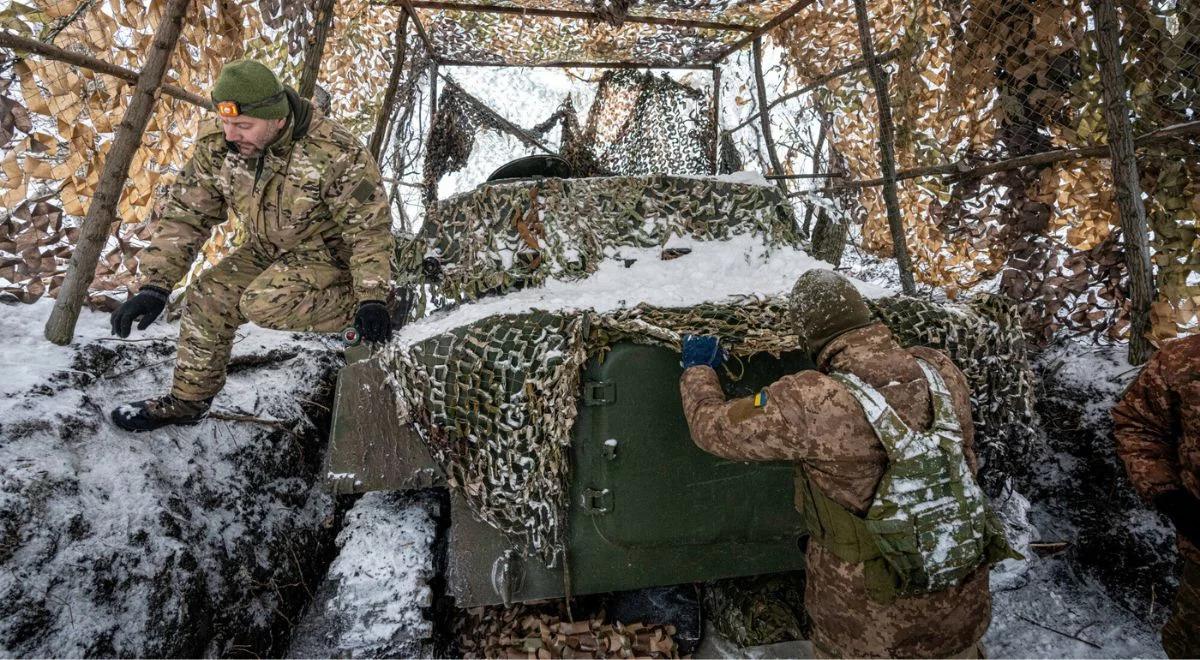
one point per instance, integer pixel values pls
(360, 208)
(193, 206)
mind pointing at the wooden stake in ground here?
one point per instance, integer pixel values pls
(1125, 178)
(389, 97)
(764, 116)
(60, 327)
(314, 50)
(715, 147)
(887, 149)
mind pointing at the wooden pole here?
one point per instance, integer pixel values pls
(765, 116)
(779, 19)
(24, 44)
(817, 83)
(389, 97)
(1125, 178)
(887, 149)
(715, 147)
(574, 14)
(962, 170)
(314, 50)
(60, 327)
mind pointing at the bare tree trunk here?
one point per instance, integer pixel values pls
(60, 327)
(887, 149)
(1125, 177)
(816, 168)
(314, 50)
(715, 148)
(389, 97)
(765, 116)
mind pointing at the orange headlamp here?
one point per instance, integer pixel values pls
(231, 109)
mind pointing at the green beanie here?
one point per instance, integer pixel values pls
(249, 82)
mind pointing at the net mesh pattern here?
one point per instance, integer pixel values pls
(496, 400)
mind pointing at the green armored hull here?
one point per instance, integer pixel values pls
(560, 435)
(645, 507)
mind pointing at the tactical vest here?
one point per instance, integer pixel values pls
(929, 525)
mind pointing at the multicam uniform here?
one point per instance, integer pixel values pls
(318, 240)
(1157, 427)
(814, 420)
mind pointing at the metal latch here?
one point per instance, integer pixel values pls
(508, 575)
(599, 393)
(596, 502)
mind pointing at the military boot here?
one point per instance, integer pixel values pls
(162, 411)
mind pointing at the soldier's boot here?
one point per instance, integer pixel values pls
(158, 412)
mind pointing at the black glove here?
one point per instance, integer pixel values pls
(373, 321)
(146, 305)
(1183, 510)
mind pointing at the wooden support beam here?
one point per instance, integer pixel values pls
(765, 117)
(93, 234)
(715, 147)
(779, 19)
(962, 170)
(579, 64)
(887, 149)
(817, 83)
(814, 175)
(412, 13)
(1132, 210)
(314, 49)
(579, 15)
(389, 97)
(24, 44)
(482, 107)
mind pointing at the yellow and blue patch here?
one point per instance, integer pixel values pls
(760, 399)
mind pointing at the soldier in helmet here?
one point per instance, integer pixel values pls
(1157, 428)
(318, 243)
(882, 441)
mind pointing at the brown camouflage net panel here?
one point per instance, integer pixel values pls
(496, 400)
(506, 235)
(528, 39)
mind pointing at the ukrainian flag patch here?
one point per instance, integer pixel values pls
(760, 399)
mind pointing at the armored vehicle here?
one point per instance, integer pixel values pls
(543, 393)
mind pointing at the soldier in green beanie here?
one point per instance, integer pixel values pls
(318, 246)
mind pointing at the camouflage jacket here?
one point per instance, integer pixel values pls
(315, 188)
(813, 420)
(1157, 425)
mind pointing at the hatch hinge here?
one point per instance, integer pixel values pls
(596, 502)
(599, 393)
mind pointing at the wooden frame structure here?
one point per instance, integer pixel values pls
(1120, 148)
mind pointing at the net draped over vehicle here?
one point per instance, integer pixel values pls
(495, 400)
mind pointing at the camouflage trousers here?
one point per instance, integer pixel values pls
(1181, 634)
(305, 291)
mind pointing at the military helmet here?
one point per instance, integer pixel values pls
(824, 305)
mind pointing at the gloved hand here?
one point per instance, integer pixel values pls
(1183, 510)
(146, 305)
(373, 321)
(702, 350)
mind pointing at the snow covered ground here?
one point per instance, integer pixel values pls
(190, 541)
(201, 540)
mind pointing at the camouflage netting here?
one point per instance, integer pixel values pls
(639, 124)
(496, 400)
(646, 124)
(613, 35)
(507, 235)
